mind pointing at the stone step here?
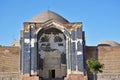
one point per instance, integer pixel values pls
(76, 77)
(53, 79)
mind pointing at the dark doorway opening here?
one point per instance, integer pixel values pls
(51, 73)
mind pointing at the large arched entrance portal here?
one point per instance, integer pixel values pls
(51, 53)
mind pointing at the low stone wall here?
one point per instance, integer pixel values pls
(9, 76)
(106, 76)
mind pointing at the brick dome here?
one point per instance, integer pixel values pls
(108, 43)
(47, 15)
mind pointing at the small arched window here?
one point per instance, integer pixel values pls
(44, 39)
(57, 39)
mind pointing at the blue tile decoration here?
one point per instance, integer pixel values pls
(28, 51)
(79, 46)
(26, 54)
(73, 56)
(33, 53)
(79, 33)
(73, 36)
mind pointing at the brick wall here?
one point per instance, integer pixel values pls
(9, 63)
(110, 57)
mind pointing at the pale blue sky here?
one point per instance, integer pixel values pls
(100, 18)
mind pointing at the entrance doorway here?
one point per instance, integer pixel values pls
(51, 73)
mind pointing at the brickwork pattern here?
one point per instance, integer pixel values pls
(110, 57)
(9, 63)
(76, 77)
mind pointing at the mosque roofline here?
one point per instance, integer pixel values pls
(53, 21)
(47, 15)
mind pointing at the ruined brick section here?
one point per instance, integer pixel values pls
(9, 63)
(91, 52)
(110, 57)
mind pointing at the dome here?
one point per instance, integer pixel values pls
(108, 43)
(47, 15)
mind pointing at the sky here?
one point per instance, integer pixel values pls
(100, 18)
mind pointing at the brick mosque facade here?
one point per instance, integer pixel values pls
(52, 48)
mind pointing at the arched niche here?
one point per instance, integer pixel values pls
(53, 41)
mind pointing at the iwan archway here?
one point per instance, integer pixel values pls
(52, 52)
